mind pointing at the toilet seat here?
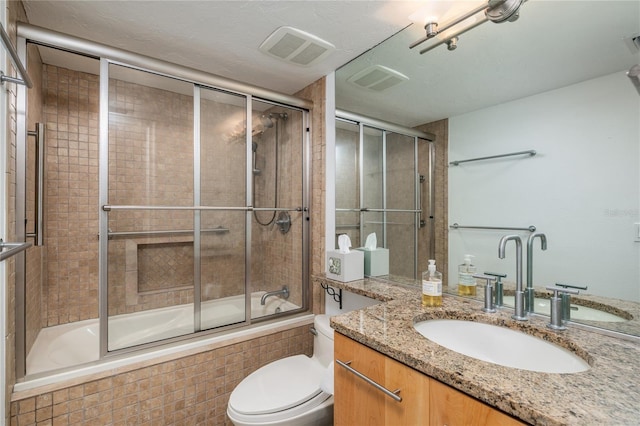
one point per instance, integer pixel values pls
(297, 391)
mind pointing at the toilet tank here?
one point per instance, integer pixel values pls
(323, 341)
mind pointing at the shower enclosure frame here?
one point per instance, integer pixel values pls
(419, 209)
(200, 80)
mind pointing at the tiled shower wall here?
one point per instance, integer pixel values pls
(35, 255)
(71, 196)
(146, 123)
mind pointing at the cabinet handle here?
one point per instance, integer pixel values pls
(392, 394)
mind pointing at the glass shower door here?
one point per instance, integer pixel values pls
(150, 256)
(222, 227)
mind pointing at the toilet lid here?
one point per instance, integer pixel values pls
(278, 386)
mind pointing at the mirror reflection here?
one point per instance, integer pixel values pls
(507, 88)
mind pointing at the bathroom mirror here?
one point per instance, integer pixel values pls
(548, 82)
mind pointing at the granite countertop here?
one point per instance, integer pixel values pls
(607, 394)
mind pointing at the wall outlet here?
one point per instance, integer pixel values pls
(636, 232)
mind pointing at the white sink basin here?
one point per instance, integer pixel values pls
(501, 346)
(578, 312)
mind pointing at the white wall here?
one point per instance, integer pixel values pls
(581, 189)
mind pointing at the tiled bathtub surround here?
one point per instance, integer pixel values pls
(190, 390)
(606, 394)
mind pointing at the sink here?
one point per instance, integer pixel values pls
(502, 346)
(578, 312)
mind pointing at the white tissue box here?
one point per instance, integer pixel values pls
(376, 262)
(345, 266)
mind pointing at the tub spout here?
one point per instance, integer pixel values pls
(284, 292)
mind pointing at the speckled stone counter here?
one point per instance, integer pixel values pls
(607, 394)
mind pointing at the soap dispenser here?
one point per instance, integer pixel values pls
(431, 286)
(466, 282)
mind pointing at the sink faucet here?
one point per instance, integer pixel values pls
(529, 296)
(555, 318)
(284, 292)
(519, 313)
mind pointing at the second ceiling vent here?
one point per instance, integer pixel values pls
(377, 78)
(296, 46)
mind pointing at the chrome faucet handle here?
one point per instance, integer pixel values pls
(499, 288)
(488, 293)
(555, 321)
(566, 300)
(577, 287)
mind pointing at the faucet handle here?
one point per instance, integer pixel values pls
(571, 286)
(488, 295)
(496, 274)
(557, 290)
(499, 290)
(556, 316)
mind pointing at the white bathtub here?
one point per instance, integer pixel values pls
(78, 343)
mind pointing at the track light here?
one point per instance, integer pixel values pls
(496, 11)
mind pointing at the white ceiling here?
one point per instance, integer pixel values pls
(553, 44)
(222, 37)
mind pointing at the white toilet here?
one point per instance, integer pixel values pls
(287, 391)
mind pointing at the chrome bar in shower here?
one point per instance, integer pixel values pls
(217, 230)
(38, 227)
(25, 79)
(11, 249)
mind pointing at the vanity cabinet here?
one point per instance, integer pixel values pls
(424, 400)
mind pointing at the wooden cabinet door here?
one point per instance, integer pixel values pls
(452, 408)
(357, 402)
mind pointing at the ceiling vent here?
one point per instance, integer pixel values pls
(296, 47)
(377, 78)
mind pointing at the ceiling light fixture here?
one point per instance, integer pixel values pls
(497, 11)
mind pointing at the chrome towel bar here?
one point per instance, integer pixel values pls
(11, 249)
(529, 152)
(217, 230)
(498, 228)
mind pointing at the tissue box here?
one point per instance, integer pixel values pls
(376, 262)
(345, 266)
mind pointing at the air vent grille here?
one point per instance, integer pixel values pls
(377, 78)
(296, 46)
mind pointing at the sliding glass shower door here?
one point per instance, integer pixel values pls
(205, 222)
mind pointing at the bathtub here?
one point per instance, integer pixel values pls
(78, 343)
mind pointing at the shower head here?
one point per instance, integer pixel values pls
(254, 146)
(267, 121)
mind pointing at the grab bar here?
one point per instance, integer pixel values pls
(499, 228)
(26, 80)
(217, 230)
(353, 226)
(38, 229)
(108, 208)
(367, 209)
(530, 153)
(12, 249)
(392, 394)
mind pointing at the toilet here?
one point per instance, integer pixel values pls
(288, 391)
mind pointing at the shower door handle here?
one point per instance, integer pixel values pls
(38, 228)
